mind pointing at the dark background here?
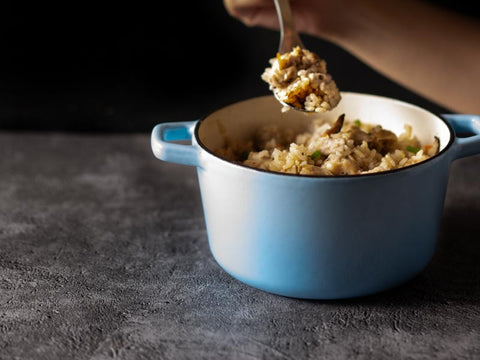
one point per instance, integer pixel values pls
(124, 67)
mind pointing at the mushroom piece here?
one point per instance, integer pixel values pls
(377, 138)
(336, 126)
(383, 140)
(435, 148)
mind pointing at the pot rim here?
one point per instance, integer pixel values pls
(381, 173)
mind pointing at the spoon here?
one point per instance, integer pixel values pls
(289, 38)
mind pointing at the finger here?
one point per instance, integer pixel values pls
(253, 12)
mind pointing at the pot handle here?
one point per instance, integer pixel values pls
(465, 146)
(165, 149)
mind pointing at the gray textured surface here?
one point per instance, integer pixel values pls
(103, 254)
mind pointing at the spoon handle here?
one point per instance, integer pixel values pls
(289, 37)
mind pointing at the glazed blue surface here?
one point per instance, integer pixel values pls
(320, 237)
(163, 147)
(464, 123)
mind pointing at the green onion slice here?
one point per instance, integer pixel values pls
(316, 155)
(412, 149)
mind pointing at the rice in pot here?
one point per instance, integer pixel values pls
(344, 148)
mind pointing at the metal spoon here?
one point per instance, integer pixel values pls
(289, 38)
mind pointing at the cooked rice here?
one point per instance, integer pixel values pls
(300, 78)
(358, 148)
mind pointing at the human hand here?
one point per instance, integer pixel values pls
(409, 41)
(315, 17)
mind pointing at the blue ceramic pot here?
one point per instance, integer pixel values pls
(311, 236)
